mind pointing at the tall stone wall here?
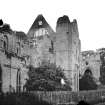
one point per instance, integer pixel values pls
(10, 69)
(61, 47)
(40, 37)
(13, 72)
(68, 49)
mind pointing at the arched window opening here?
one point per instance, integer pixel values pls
(18, 48)
(18, 87)
(88, 72)
(5, 43)
(86, 62)
(1, 43)
(51, 49)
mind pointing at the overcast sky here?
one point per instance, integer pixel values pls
(90, 15)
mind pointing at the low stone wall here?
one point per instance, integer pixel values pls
(63, 97)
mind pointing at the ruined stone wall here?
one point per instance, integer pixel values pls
(41, 51)
(11, 62)
(75, 54)
(68, 49)
(91, 59)
(61, 47)
(9, 73)
(41, 44)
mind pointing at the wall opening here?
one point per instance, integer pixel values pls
(18, 84)
(0, 79)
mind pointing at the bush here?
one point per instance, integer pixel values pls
(47, 77)
(83, 103)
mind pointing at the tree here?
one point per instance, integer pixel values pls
(87, 81)
(47, 77)
(1, 22)
(5, 28)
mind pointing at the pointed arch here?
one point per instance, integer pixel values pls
(5, 42)
(88, 71)
(18, 81)
(18, 48)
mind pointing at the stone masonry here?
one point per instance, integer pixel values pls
(61, 47)
(19, 50)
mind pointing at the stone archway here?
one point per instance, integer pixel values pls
(88, 71)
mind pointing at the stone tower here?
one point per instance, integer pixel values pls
(67, 49)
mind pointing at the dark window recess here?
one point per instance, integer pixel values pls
(51, 50)
(0, 79)
(18, 82)
(40, 37)
(5, 47)
(1, 44)
(88, 72)
(18, 49)
(86, 63)
(67, 32)
(6, 43)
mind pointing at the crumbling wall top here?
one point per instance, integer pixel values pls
(64, 19)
